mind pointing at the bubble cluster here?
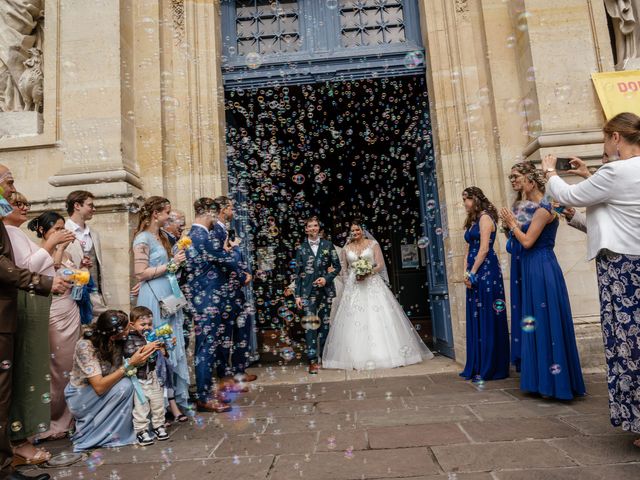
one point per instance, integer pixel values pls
(336, 150)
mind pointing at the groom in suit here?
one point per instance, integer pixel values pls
(317, 265)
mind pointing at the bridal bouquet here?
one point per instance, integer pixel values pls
(362, 267)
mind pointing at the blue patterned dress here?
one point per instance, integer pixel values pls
(619, 283)
(550, 364)
(151, 292)
(487, 332)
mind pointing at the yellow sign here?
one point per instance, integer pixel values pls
(618, 91)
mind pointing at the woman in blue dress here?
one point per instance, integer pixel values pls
(99, 395)
(523, 211)
(155, 268)
(487, 332)
(550, 364)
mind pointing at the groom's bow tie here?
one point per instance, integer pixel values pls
(314, 243)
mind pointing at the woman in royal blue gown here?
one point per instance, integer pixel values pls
(523, 211)
(487, 332)
(550, 364)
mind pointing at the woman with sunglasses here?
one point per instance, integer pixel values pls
(31, 391)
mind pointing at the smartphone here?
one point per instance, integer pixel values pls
(560, 208)
(232, 235)
(563, 164)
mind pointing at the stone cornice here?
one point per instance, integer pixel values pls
(95, 177)
(562, 139)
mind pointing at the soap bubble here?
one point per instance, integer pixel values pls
(287, 354)
(253, 60)
(423, 242)
(499, 306)
(46, 398)
(5, 364)
(414, 59)
(310, 322)
(332, 4)
(16, 426)
(528, 324)
(555, 369)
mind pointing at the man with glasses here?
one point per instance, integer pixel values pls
(86, 251)
(175, 226)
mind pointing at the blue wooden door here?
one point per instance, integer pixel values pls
(434, 233)
(285, 42)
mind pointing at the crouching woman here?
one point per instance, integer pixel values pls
(100, 392)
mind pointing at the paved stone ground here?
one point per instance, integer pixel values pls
(432, 426)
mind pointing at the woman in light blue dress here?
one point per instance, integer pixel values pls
(155, 268)
(99, 394)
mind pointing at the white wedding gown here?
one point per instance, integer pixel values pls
(370, 330)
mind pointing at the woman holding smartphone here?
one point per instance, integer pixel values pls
(612, 198)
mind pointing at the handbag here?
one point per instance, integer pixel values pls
(169, 305)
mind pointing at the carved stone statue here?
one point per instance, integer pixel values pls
(21, 47)
(625, 16)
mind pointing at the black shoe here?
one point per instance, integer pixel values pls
(21, 476)
(144, 438)
(161, 433)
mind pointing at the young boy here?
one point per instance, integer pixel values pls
(141, 319)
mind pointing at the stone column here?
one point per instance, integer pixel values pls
(467, 150)
(558, 46)
(94, 150)
(206, 89)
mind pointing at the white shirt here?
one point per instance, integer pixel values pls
(314, 248)
(82, 234)
(612, 198)
(224, 227)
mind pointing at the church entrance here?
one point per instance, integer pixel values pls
(337, 150)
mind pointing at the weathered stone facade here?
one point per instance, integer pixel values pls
(133, 105)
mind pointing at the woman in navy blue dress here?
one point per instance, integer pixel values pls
(523, 211)
(487, 332)
(550, 364)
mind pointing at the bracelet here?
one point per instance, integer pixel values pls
(172, 267)
(129, 370)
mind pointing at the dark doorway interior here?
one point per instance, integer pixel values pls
(337, 150)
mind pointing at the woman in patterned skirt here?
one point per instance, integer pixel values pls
(612, 198)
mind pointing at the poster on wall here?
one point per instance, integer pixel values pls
(410, 257)
(618, 91)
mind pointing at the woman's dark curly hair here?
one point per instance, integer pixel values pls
(44, 222)
(481, 204)
(109, 323)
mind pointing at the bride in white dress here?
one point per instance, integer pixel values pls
(370, 330)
